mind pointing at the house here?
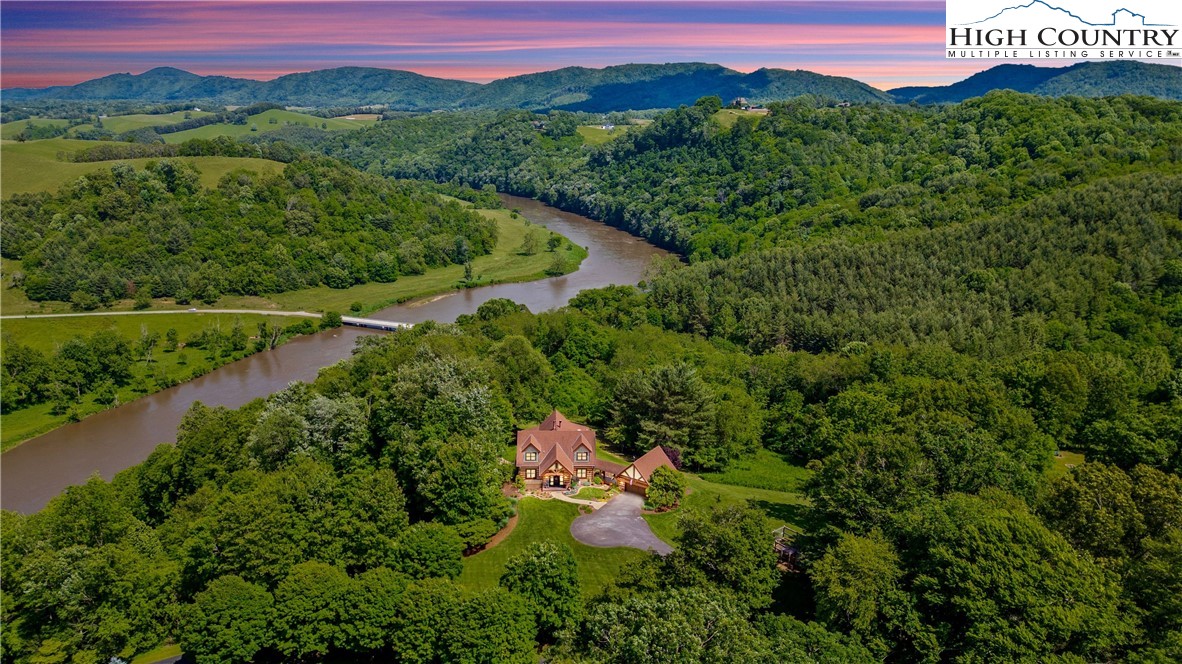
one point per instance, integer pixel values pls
(558, 452)
(555, 452)
(636, 477)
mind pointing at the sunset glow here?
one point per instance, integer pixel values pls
(884, 44)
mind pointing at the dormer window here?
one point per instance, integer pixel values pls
(531, 455)
(582, 455)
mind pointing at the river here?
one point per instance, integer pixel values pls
(36, 471)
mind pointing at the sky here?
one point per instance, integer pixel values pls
(886, 43)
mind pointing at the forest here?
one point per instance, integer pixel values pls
(916, 309)
(803, 172)
(115, 233)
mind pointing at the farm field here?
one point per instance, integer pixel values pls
(34, 166)
(548, 520)
(262, 122)
(47, 334)
(122, 123)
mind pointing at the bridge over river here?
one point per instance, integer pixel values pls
(107, 442)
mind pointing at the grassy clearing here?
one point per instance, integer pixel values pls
(34, 166)
(597, 135)
(727, 117)
(47, 334)
(262, 123)
(157, 654)
(1064, 462)
(505, 264)
(362, 119)
(608, 455)
(548, 520)
(122, 123)
(780, 506)
(764, 470)
(10, 130)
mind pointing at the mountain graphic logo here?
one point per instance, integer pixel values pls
(1017, 9)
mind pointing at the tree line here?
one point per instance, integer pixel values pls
(119, 231)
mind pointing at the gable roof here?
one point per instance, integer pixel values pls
(652, 459)
(556, 439)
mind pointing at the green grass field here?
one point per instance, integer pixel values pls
(608, 455)
(780, 506)
(46, 334)
(764, 470)
(122, 123)
(34, 166)
(597, 135)
(548, 520)
(10, 130)
(727, 117)
(262, 123)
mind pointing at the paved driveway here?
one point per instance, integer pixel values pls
(618, 523)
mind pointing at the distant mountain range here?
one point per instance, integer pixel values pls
(621, 87)
(1086, 79)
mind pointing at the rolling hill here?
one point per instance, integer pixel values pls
(622, 87)
(572, 88)
(1087, 79)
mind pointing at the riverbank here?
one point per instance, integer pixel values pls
(167, 366)
(108, 442)
(505, 264)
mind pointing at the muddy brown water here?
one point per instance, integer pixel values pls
(36, 471)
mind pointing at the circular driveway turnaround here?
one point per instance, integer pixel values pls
(618, 523)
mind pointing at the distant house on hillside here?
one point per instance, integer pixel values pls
(558, 452)
(636, 477)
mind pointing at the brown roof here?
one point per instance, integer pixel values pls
(652, 459)
(556, 439)
(609, 467)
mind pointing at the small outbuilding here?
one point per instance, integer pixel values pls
(636, 477)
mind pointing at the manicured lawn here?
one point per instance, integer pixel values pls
(33, 166)
(764, 470)
(47, 334)
(780, 506)
(541, 520)
(262, 121)
(592, 493)
(1060, 465)
(157, 654)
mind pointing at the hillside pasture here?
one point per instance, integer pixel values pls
(262, 122)
(34, 166)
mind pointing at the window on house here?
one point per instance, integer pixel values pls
(531, 455)
(581, 455)
(530, 473)
(582, 472)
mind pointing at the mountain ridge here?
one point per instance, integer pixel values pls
(614, 88)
